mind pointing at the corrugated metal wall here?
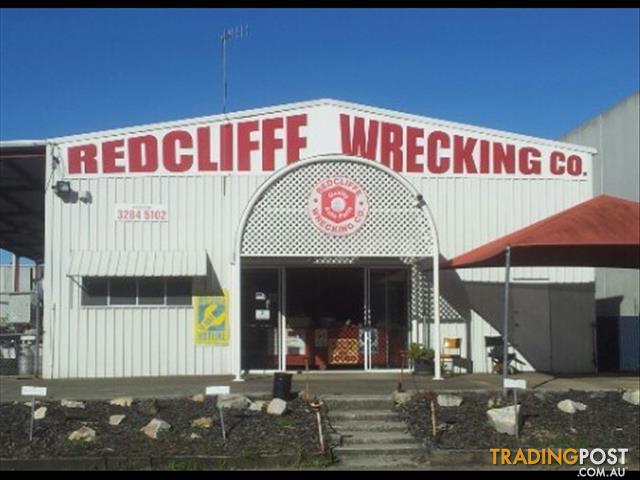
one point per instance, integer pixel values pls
(472, 211)
(616, 168)
(204, 212)
(121, 341)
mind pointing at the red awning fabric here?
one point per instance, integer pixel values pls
(601, 232)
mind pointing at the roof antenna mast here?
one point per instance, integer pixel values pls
(225, 37)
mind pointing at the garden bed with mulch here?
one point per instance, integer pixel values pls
(249, 434)
(608, 422)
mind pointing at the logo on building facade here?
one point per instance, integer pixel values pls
(338, 206)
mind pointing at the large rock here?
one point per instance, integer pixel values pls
(83, 434)
(71, 404)
(569, 406)
(122, 401)
(115, 420)
(400, 398)
(632, 396)
(257, 406)
(40, 413)
(233, 400)
(495, 402)
(202, 422)
(503, 419)
(148, 407)
(277, 406)
(154, 427)
(446, 400)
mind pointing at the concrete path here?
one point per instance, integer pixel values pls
(320, 383)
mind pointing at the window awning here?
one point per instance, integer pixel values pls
(101, 263)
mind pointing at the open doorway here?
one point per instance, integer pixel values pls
(325, 315)
(329, 318)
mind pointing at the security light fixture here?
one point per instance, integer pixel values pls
(62, 188)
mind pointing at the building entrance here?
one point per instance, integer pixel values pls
(336, 318)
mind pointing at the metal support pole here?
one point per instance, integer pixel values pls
(234, 310)
(224, 39)
(36, 370)
(505, 332)
(15, 263)
(515, 412)
(436, 314)
(224, 432)
(33, 409)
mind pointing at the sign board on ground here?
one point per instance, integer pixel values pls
(34, 391)
(513, 383)
(217, 390)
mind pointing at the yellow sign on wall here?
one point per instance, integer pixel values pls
(211, 319)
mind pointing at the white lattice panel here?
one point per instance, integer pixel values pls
(396, 226)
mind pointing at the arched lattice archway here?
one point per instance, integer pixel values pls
(279, 222)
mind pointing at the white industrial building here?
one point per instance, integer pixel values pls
(615, 134)
(256, 240)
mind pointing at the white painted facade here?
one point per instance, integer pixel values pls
(204, 209)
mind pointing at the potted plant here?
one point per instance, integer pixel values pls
(421, 357)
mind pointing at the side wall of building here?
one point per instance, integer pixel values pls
(616, 169)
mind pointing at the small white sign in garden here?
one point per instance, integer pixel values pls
(515, 385)
(33, 392)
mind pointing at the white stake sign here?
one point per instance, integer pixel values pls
(33, 392)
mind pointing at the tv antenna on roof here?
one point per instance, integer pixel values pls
(225, 37)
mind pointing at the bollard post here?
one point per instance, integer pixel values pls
(316, 405)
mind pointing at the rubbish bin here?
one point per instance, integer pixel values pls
(26, 359)
(282, 385)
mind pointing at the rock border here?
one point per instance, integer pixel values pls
(264, 461)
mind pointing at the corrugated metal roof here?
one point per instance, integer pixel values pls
(100, 263)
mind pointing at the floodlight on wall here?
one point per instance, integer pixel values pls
(85, 196)
(62, 188)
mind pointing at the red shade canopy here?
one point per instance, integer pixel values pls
(601, 232)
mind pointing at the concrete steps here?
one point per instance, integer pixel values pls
(356, 437)
(370, 435)
(362, 415)
(370, 426)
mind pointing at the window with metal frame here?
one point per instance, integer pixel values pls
(136, 292)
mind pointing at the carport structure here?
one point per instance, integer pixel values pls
(601, 232)
(22, 186)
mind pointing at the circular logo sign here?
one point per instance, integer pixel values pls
(338, 206)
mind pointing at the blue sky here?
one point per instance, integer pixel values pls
(539, 72)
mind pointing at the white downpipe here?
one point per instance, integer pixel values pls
(236, 340)
(282, 360)
(436, 314)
